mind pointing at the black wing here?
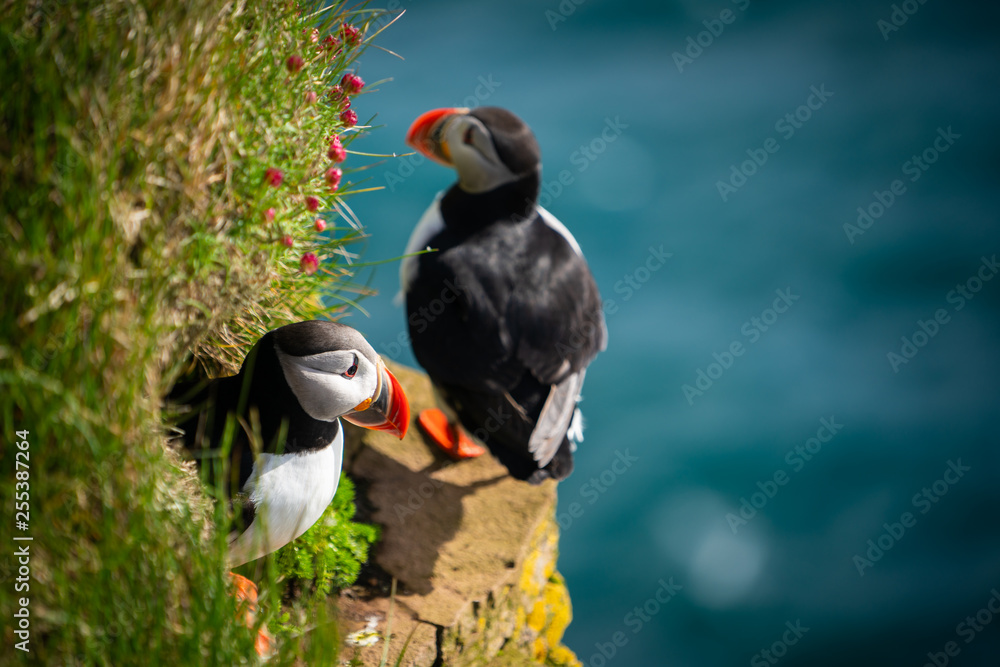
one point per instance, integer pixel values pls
(496, 320)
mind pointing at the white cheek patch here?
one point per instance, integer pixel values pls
(326, 395)
(334, 361)
(479, 168)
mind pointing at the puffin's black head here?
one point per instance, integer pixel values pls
(334, 372)
(487, 146)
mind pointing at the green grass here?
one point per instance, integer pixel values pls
(134, 242)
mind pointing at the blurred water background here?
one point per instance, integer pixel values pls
(705, 526)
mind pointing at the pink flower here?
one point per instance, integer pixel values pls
(312, 203)
(331, 44)
(350, 34)
(314, 35)
(339, 99)
(336, 152)
(333, 176)
(310, 96)
(269, 215)
(309, 263)
(294, 63)
(320, 224)
(286, 240)
(273, 176)
(349, 118)
(352, 84)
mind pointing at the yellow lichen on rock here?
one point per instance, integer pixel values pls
(561, 656)
(549, 618)
(538, 617)
(540, 650)
(558, 602)
(520, 618)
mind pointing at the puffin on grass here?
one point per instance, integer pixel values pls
(505, 316)
(292, 389)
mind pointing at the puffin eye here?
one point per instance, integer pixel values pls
(467, 137)
(352, 371)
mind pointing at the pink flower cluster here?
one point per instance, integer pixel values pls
(333, 45)
(294, 63)
(333, 176)
(350, 34)
(309, 263)
(349, 118)
(273, 176)
(337, 153)
(350, 84)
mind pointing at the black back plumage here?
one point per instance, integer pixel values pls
(503, 310)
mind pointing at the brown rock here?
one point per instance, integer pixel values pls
(472, 549)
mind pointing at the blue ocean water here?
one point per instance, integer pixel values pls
(771, 473)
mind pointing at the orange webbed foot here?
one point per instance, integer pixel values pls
(246, 607)
(449, 437)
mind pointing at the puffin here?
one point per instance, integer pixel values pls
(504, 314)
(293, 387)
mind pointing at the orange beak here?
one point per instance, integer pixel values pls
(388, 411)
(427, 134)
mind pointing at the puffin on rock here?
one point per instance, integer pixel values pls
(505, 316)
(294, 385)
